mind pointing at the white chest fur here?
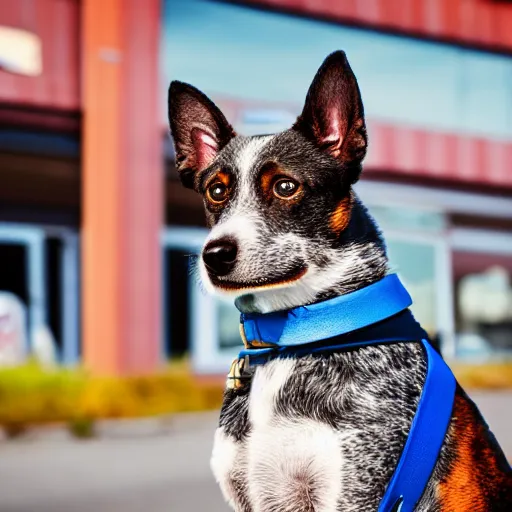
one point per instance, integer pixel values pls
(286, 464)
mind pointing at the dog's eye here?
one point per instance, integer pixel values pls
(218, 192)
(285, 188)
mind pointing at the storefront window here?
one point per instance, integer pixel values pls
(408, 219)
(483, 305)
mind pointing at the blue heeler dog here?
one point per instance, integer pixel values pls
(325, 433)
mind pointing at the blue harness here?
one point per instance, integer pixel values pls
(373, 315)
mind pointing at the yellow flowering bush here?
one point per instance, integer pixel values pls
(31, 395)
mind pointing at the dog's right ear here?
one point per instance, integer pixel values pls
(199, 130)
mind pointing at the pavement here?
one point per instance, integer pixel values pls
(143, 466)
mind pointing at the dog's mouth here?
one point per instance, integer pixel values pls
(263, 283)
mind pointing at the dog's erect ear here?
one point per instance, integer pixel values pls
(333, 115)
(199, 129)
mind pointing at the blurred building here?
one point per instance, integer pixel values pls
(87, 171)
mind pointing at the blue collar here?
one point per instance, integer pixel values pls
(341, 315)
(373, 315)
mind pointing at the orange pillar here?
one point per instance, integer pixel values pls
(122, 179)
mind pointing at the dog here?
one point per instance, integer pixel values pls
(325, 433)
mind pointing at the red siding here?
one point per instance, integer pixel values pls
(438, 155)
(56, 22)
(481, 22)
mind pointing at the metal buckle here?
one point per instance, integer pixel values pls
(236, 378)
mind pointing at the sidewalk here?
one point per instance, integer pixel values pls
(141, 466)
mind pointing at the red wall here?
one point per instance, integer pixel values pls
(481, 22)
(56, 22)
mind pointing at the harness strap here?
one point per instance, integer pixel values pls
(425, 439)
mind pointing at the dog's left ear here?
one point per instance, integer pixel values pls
(333, 115)
(199, 130)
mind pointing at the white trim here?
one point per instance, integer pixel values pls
(445, 312)
(47, 229)
(406, 235)
(177, 237)
(481, 240)
(37, 289)
(164, 302)
(70, 298)
(422, 198)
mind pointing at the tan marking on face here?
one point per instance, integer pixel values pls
(340, 217)
(219, 176)
(268, 175)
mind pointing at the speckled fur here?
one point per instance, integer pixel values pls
(371, 393)
(320, 433)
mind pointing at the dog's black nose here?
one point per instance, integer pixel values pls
(219, 256)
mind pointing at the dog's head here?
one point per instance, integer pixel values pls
(287, 229)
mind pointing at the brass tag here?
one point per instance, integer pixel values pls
(236, 379)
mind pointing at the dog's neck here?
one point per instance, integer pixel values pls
(357, 259)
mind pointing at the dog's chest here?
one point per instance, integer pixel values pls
(323, 433)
